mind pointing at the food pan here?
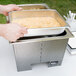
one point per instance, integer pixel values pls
(33, 6)
(40, 13)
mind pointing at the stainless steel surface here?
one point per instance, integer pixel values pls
(68, 35)
(41, 13)
(54, 51)
(48, 50)
(39, 52)
(26, 55)
(33, 6)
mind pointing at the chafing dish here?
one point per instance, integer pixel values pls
(40, 45)
(47, 49)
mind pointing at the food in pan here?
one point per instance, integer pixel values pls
(37, 22)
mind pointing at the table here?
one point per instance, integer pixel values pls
(8, 65)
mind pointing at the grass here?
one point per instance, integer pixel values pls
(62, 6)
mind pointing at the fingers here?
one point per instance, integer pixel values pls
(21, 35)
(5, 13)
(23, 30)
(8, 8)
(16, 8)
(11, 7)
(18, 35)
(14, 31)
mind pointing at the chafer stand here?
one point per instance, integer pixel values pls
(70, 19)
(48, 49)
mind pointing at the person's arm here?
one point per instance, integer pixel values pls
(4, 9)
(1, 29)
(12, 32)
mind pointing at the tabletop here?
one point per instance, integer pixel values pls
(8, 65)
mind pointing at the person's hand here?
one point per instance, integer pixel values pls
(13, 31)
(4, 9)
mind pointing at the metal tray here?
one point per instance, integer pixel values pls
(40, 13)
(33, 6)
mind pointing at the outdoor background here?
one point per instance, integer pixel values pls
(62, 6)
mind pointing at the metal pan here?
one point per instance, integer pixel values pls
(40, 13)
(31, 7)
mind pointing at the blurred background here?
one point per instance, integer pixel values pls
(62, 6)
